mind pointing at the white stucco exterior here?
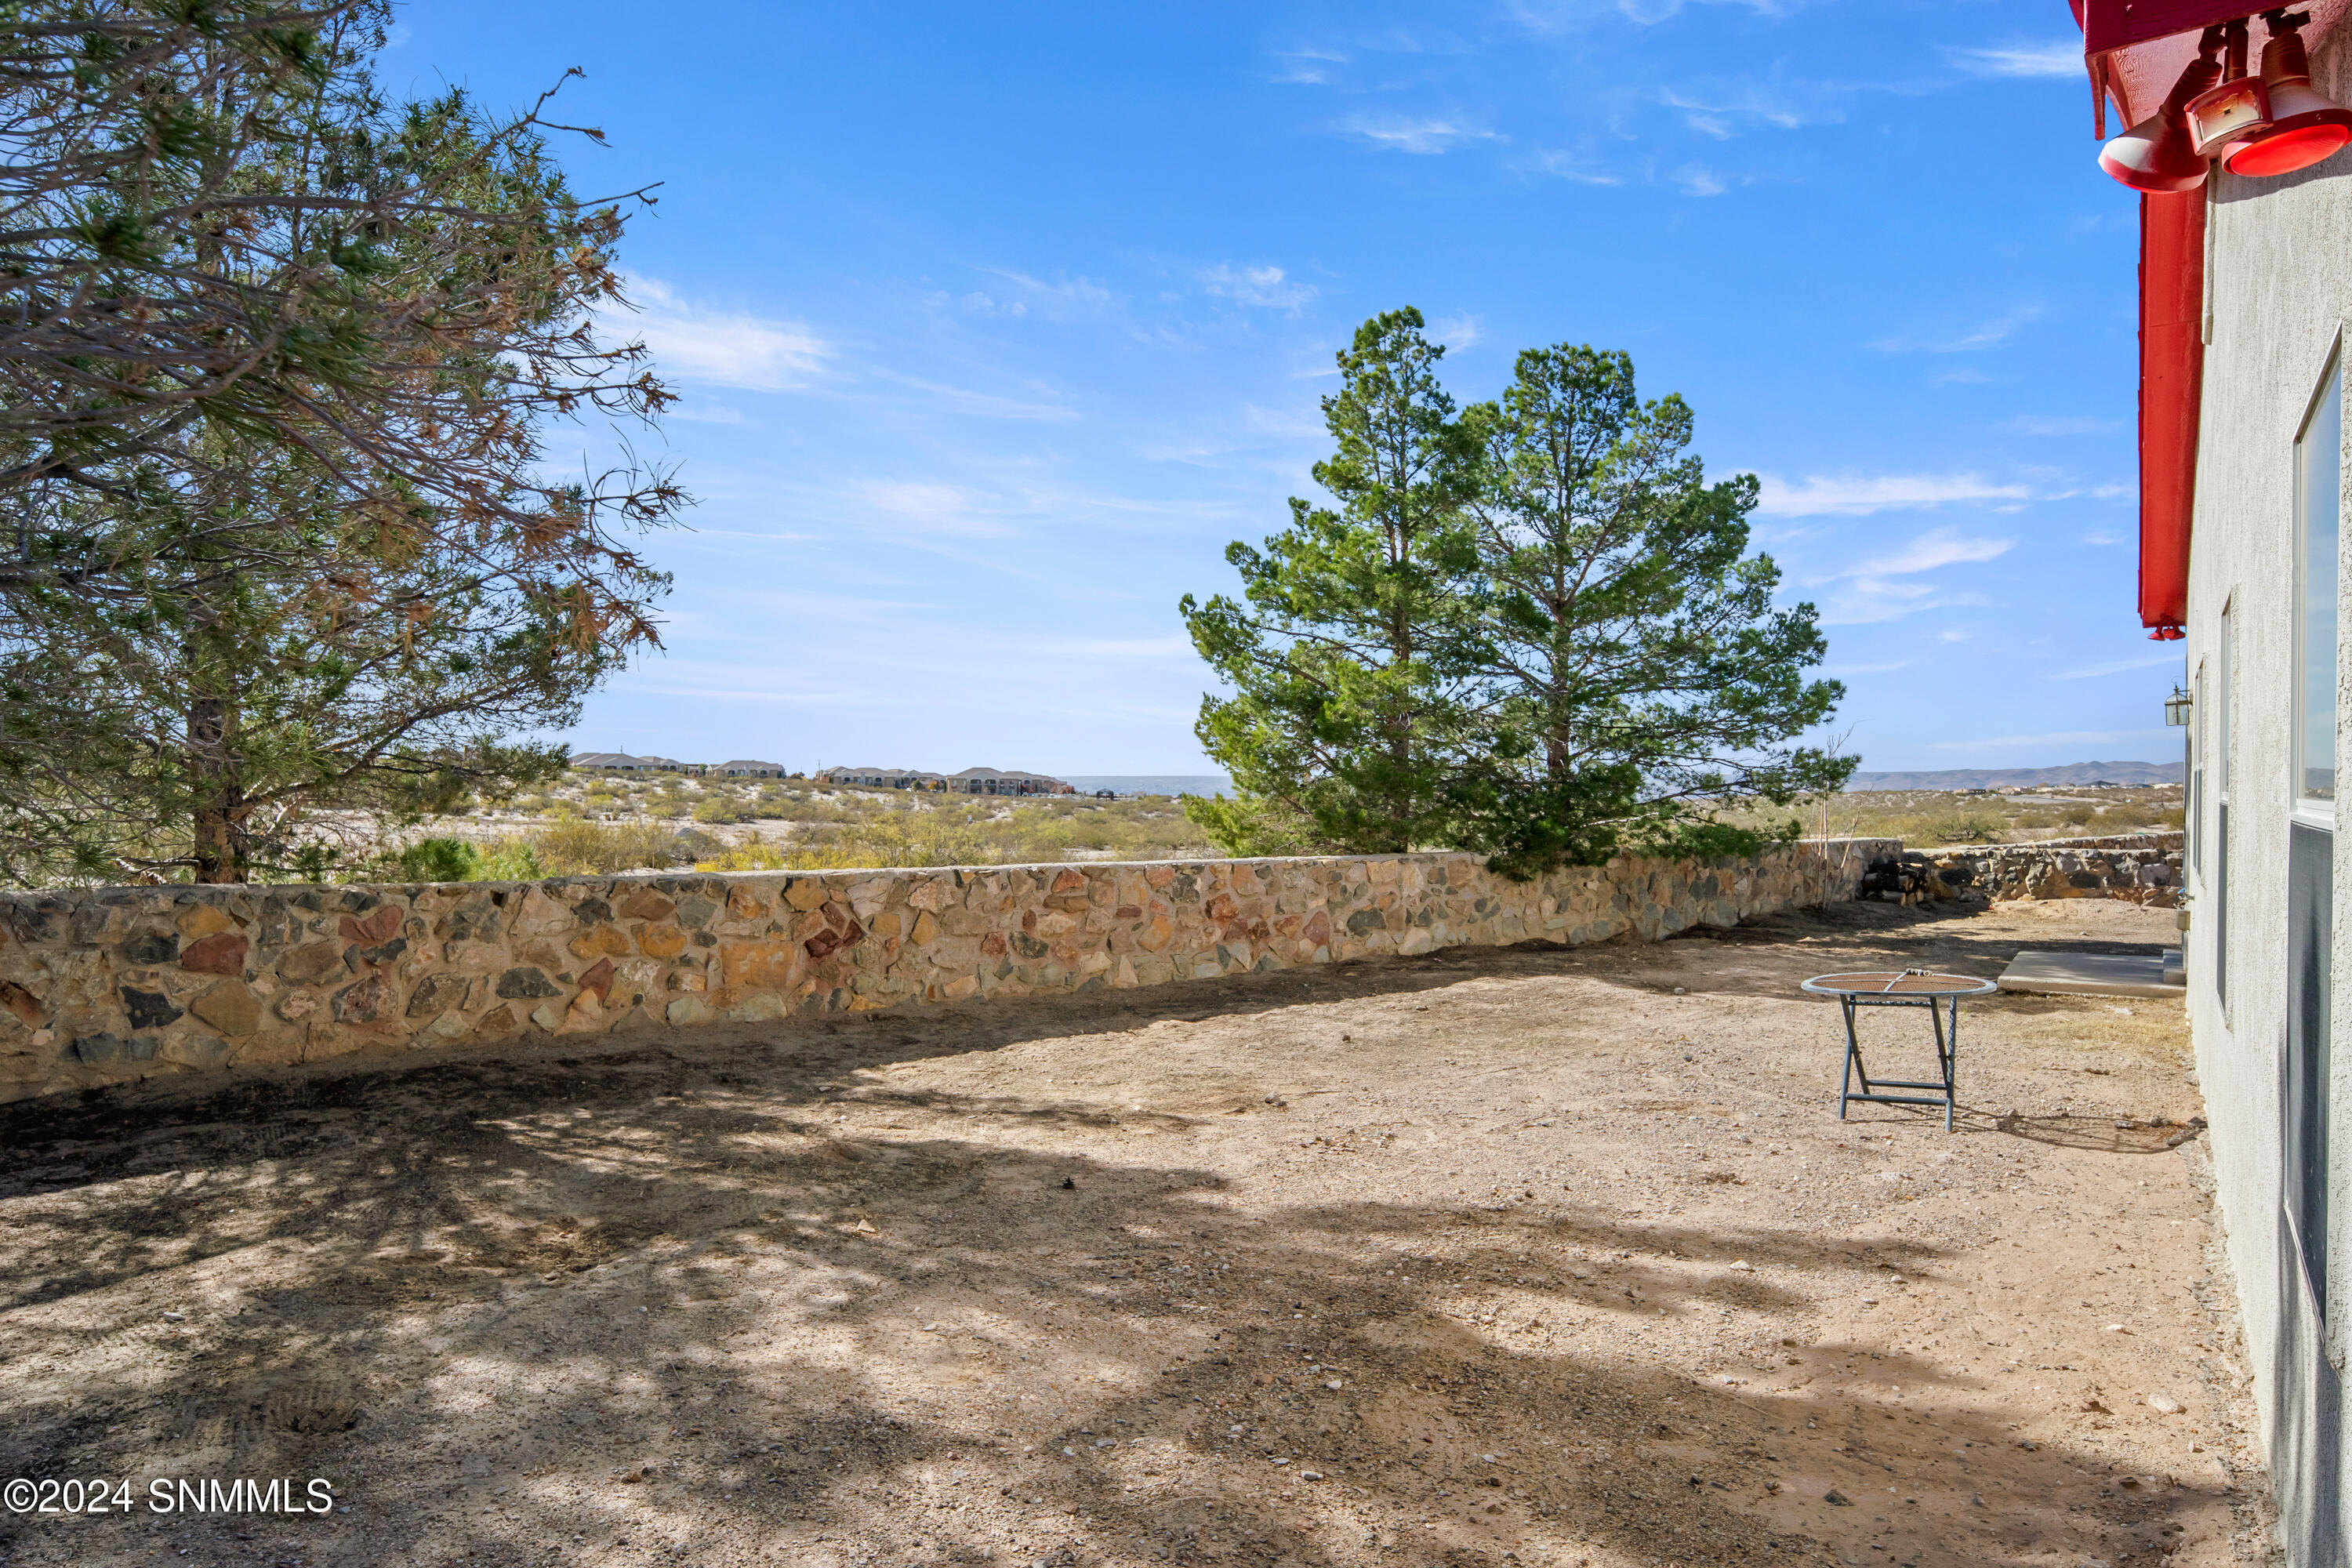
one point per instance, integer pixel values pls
(2279, 291)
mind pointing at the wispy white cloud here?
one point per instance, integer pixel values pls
(1698, 180)
(930, 506)
(1929, 551)
(1062, 298)
(2061, 425)
(983, 304)
(1886, 586)
(1457, 332)
(1859, 496)
(987, 405)
(1719, 115)
(724, 348)
(2055, 57)
(2103, 537)
(1990, 332)
(1398, 133)
(1563, 164)
(1307, 68)
(2118, 665)
(705, 414)
(1267, 286)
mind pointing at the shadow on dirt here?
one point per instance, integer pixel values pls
(672, 1309)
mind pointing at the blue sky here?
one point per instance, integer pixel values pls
(994, 323)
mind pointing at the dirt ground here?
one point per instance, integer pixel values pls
(1530, 1256)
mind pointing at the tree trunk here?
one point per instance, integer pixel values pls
(220, 796)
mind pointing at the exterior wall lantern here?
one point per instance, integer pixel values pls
(2274, 123)
(2160, 153)
(2267, 123)
(2176, 708)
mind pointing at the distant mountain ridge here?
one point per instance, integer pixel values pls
(1993, 778)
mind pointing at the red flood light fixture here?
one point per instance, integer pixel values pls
(2240, 104)
(2160, 153)
(2299, 125)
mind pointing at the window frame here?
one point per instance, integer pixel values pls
(2328, 387)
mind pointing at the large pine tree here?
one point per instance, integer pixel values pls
(1636, 676)
(1345, 652)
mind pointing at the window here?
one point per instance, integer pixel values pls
(2318, 450)
(2195, 816)
(2224, 746)
(2311, 838)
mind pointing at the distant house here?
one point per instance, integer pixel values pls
(997, 781)
(740, 768)
(883, 778)
(622, 762)
(972, 781)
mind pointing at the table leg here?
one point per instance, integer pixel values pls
(1952, 1070)
(1853, 1059)
(1944, 1052)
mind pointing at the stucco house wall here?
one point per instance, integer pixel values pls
(2279, 286)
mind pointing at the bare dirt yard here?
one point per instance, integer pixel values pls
(1531, 1255)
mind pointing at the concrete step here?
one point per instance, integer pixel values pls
(2157, 973)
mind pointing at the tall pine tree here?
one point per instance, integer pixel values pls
(1636, 676)
(1346, 651)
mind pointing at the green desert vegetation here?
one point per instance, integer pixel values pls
(1930, 817)
(602, 824)
(588, 824)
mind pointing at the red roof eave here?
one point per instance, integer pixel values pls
(2136, 49)
(2172, 377)
(2133, 51)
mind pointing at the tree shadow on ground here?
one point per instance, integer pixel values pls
(643, 1309)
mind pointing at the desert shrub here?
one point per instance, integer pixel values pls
(1966, 827)
(506, 861)
(899, 839)
(2078, 816)
(754, 854)
(720, 808)
(586, 848)
(439, 860)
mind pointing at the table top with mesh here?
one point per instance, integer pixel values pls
(1898, 983)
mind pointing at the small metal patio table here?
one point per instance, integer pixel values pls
(1940, 993)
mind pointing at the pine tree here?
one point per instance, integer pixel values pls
(286, 533)
(1635, 675)
(1345, 652)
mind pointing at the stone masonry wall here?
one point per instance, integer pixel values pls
(2145, 867)
(111, 986)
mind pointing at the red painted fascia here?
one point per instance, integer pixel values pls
(2134, 49)
(2171, 375)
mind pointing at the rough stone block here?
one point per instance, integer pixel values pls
(438, 993)
(601, 941)
(523, 982)
(311, 962)
(647, 905)
(149, 1009)
(222, 954)
(150, 948)
(204, 919)
(230, 1006)
(370, 1001)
